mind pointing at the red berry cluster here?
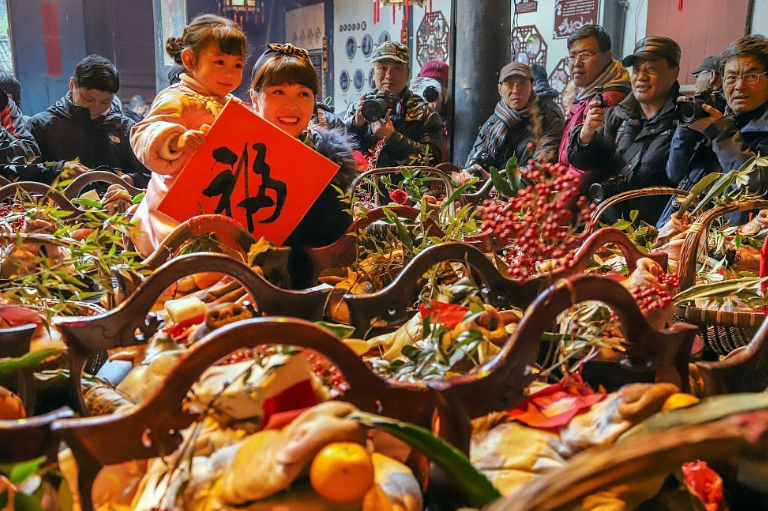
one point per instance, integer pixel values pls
(669, 280)
(328, 373)
(539, 221)
(7, 210)
(650, 298)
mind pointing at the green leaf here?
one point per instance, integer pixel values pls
(457, 193)
(340, 331)
(622, 225)
(23, 471)
(633, 215)
(697, 190)
(402, 232)
(502, 185)
(138, 198)
(515, 177)
(90, 203)
(721, 185)
(473, 484)
(28, 361)
(24, 502)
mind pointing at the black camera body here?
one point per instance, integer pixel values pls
(690, 110)
(377, 104)
(614, 185)
(601, 102)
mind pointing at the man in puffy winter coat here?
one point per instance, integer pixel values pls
(592, 65)
(412, 131)
(724, 141)
(86, 124)
(630, 142)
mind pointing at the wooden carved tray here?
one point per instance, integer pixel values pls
(131, 322)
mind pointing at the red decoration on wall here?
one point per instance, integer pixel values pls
(51, 38)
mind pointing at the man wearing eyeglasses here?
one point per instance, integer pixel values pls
(726, 141)
(591, 63)
(627, 147)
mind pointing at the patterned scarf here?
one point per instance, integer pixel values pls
(506, 117)
(615, 77)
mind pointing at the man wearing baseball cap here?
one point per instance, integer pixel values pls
(413, 132)
(519, 119)
(708, 74)
(627, 146)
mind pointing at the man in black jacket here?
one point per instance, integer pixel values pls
(413, 131)
(630, 143)
(86, 124)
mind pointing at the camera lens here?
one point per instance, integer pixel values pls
(430, 93)
(597, 193)
(372, 110)
(688, 111)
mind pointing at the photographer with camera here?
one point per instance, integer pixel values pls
(519, 119)
(722, 139)
(413, 131)
(627, 146)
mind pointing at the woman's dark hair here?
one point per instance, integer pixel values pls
(751, 46)
(284, 63)
(206, 29)
(596, 31)
(98, 73)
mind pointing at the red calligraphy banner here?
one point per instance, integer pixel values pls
(51, 37)
(251, 171)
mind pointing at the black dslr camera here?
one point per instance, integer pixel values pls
(690, 110)
(377, 104)
(598, 192)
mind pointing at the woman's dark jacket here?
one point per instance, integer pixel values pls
(326, 221)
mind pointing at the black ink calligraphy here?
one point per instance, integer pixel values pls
(253, 205)
(224, 182)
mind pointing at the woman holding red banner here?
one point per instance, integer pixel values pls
(283, 90)
(213, 52)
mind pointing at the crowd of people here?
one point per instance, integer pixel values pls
(622, 131)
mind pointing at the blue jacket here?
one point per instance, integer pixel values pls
(722, 147)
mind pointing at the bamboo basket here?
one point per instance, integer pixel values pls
(722, 331)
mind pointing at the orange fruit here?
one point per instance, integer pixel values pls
(206, 279)
(679, 400)
(342, 472)
(11, 407)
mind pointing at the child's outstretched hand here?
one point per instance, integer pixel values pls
(191, 140)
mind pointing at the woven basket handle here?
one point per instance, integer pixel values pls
(72, 191)
(227, 231)
(665, 351)
(342, 252)
(690, 247)
(635, 194)
(391, 303)
(130, 324)
(32, 187)
(601, 238)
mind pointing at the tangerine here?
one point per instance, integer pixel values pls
(679, 400)
(11, 406)
(342, 472)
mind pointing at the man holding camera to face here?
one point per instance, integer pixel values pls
(413, 132)
(716, 138)
(627, 146)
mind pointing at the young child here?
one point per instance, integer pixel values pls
(213, 51)
(284, 85)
